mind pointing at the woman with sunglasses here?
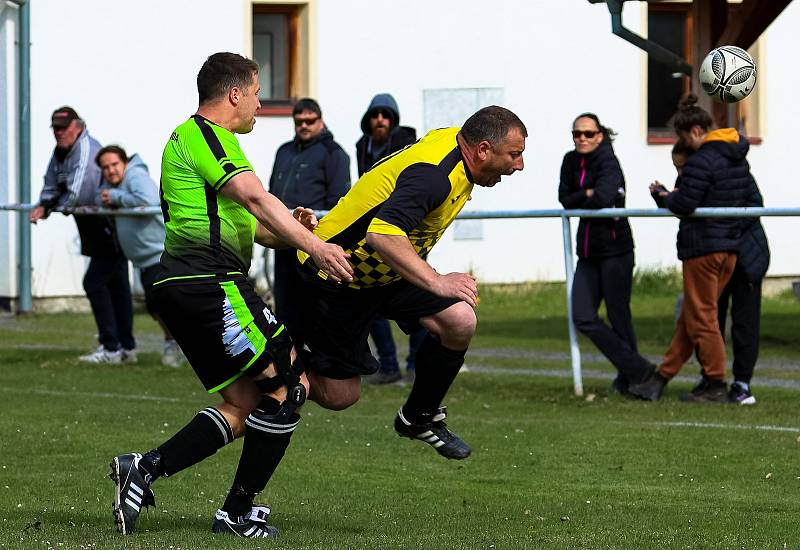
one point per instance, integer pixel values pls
(591, 178)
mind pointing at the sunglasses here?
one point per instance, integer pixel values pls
(382, 112)
(298, 122)
(588, 133)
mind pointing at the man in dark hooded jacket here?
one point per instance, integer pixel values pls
(312, 171)
(383, 136)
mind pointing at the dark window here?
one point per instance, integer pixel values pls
(671, 26)
(668, 25)
(277, 50)
(270, 50)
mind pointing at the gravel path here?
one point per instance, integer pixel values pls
(477, 357)
(595, 366)
(787, 365)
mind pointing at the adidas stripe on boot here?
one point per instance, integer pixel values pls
(434, 432)
(132, 491)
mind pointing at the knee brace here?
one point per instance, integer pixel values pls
(278, 352)
(273, 419)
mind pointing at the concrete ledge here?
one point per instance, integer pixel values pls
(780, 283)
(61, 304)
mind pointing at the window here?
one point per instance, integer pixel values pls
(279, 49)
(270, 48)
(669, 25)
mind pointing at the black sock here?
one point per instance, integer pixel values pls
(437, 367)
(207, 432)
(266, 438)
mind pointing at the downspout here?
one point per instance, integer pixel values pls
(654, 51)
(24, 271)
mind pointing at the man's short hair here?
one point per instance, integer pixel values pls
(116, 149)
(223, 71)
(306, 104)
(491, 124)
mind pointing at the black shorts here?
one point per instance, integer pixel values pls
(337, 326)
(222, 327)
(148, 276)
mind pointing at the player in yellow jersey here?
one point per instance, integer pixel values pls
(388, 222)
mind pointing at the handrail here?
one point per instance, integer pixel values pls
(90, 210)
(727, 212)
(565, 215)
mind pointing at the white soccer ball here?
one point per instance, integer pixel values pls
(728, 74)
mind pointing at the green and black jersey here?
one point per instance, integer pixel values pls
(416, 192)
(208, 235)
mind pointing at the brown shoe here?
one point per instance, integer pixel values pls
(651, 389)
(708, 391)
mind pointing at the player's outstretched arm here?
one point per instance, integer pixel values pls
(399, 254)
(267, 238)
(246, 189)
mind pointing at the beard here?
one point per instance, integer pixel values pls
(380, 134)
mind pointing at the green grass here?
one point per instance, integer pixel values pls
(549, 470)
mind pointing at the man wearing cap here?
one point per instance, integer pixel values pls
(72, 179)
(383, 136)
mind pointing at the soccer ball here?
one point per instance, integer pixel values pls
(728, 74)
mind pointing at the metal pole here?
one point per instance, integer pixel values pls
(25, 302)
(575, 352)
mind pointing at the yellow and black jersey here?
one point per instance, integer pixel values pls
(416, 192)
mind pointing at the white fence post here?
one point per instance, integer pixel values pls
(569, 269)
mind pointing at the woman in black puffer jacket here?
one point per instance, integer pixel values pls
(591, 177)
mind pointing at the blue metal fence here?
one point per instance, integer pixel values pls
(565, 215)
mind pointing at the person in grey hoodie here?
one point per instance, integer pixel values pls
(127, 184)
(71, 180)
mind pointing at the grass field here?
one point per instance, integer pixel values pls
(549, 470)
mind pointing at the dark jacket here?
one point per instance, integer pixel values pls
(314, 174)
(399, 136)
(717, 175)
(753, 248)
(599, 170)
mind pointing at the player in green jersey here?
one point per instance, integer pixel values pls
(214, 208)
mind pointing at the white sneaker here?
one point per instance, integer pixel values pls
(172, 355)
(102, 355)
(129, 356)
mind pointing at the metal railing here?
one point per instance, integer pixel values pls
(565, 215)
(569, 264)
(91, 210)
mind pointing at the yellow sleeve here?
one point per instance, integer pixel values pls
(384, 228)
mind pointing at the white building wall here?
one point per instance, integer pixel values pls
(130, 74)
(774, 163)
(129, 70)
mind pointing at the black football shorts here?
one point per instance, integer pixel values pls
(222, 327)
